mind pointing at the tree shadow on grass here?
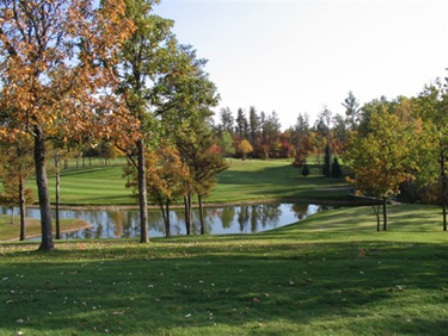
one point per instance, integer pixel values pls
(151, 290)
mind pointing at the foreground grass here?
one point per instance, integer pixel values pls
(328, 275)
(251, 180)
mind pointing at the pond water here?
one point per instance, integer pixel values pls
(218, 220)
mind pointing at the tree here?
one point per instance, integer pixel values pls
(352, 110)
(305, 170)
(242, 125)
(16, 167)
(227, 144)
(56, 66)
(185, 119)
(381, 160)
(254, 126)
(433, 107)
(144, 63)
(227, 120)
(336, 171)
(245, 148)
(327, 167)
(166, 179)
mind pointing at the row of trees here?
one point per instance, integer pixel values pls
(328, 136)
(83, 72)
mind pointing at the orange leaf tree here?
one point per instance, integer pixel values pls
(56, 60)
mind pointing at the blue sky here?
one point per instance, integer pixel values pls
(300, 56)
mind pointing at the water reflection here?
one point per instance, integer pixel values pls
(218, 220)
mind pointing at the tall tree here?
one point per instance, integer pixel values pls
(242, 126)
(187, 111)
(433, 106)
(145, 61)
(227, 120)
(254, 126)
(56, 59)
(352, 109)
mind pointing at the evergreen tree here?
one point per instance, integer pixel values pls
(336, 171)
(305, 170)
(326, 168)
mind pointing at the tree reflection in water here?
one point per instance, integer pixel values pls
(219, 220)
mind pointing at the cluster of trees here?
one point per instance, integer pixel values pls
(259, 135)
(85, 72)
(398, 147)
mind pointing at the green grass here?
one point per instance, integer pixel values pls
(309, 278)
(251, 180)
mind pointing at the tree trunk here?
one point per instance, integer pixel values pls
(22, 206)
(142, 192)
(42, 190)
(376, 209)
(444, 191)
(187, 202)
(57, 161)
(168, 221)
(384, 214)
(201, 214)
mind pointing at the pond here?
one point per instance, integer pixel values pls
(123, 223)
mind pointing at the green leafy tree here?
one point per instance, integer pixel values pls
(190, 95)
(352, 111)
(145, 60)
(433, 108)
(227, 144)
(381, 160)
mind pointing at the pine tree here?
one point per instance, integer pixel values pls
(305, 170)
(336, 171)
(326, 168)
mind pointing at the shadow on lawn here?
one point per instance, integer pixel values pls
(153, 290)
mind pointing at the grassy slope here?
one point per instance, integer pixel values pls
(309, 278)
(250, 180)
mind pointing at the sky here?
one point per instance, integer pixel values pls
(302, 56)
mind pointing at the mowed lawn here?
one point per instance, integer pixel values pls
(251, 180)
(330, 274)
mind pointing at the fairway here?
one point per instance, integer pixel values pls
(330, 274)
(250, 180)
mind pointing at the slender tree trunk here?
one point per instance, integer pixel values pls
(22, 208)
(187, 202)
(42, 190)
(444, 191)
(376, 209)
(162, 210)
(57, 161)
(201, 214)
(168, 221)
(384, 214)
(142, 193)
